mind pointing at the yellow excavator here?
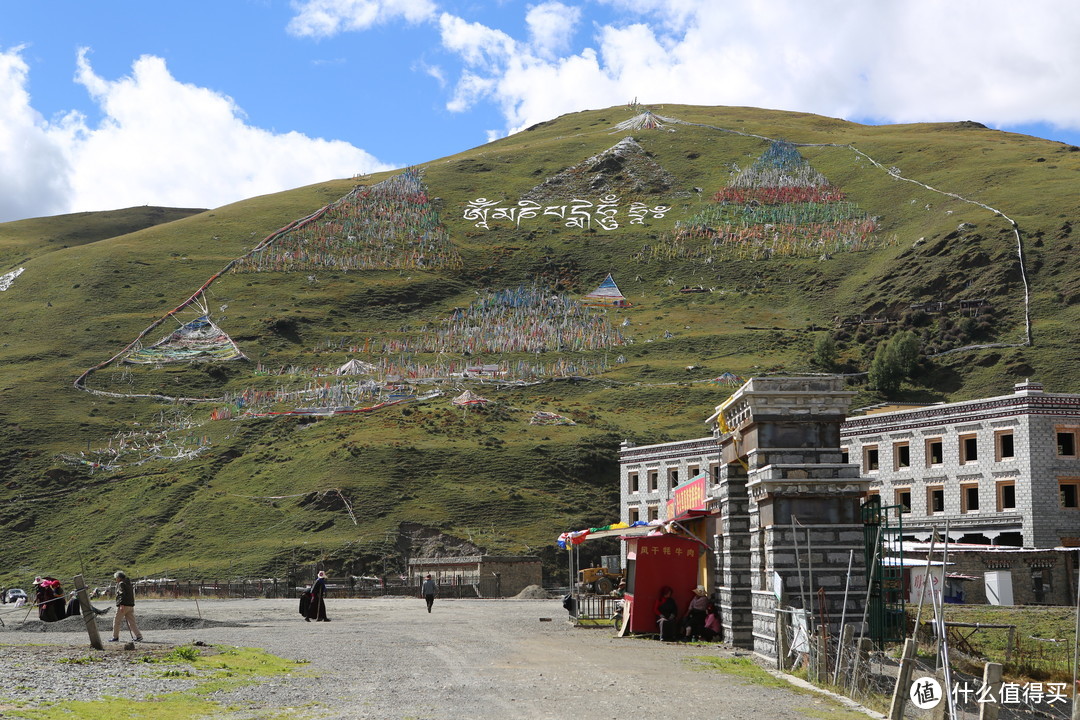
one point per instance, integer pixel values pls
(598, 580)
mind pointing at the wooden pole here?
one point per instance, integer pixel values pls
(992, 677)
(88, 614)
(903, 681)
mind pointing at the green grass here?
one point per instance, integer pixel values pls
(1035, 655)
(214, 669)
(750, 673)
(745, 669)
(255, 503)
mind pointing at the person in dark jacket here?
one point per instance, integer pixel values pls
(428, 591)
(125, 607)
(316, 609)
(666, 611)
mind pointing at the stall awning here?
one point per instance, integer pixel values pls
(909, 562)
(692, 515)
(622, 532)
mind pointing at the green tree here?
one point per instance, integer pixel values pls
(825, 354)
(905, 346)
(894, 361)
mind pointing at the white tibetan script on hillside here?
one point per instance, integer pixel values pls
(583, 214)
(8, 278)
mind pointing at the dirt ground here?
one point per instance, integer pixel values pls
(390, 658)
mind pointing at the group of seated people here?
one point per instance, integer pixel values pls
(699, 622)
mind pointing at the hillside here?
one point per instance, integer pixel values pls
(200, 439)
(25, 239)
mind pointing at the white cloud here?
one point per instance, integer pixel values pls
(551, 27)
(433, 71)
(994, 61)
(325, 18)
(33, 166)
(477, 44)
(160, 142)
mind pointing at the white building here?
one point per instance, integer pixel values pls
(649, 474)
(1002, 470)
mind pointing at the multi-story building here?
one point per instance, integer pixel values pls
(1002, 470)
(649, 474)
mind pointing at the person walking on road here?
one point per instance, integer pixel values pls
(125, 607)
(428, 591)
(316, 609)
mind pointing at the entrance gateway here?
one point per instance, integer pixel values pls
(779, 518)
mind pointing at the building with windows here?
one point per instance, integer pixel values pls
(649, 474)
(1002, 470)
(754, 497)
(490, 575)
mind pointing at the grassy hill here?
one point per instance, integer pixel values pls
(401, 274)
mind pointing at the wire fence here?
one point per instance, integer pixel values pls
(851, 665)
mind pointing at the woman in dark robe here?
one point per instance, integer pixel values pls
(49, 598)
(316, 609)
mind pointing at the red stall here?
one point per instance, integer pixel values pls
(653, 561)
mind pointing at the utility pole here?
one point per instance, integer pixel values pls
(87, 613)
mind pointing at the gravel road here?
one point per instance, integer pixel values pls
(389, 658)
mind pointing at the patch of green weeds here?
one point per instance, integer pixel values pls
(214, 669)
(186, 653)
(744, 668)
(825, 706)
(174, 706)
(83, 660)
(831, 710)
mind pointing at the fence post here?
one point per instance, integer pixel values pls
(991, 679)
(941, 710)
(861, 656)
(903, 681)
(821, 659)
(843, 652)
(88, 613)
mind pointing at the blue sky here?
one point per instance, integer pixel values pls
(115, 103)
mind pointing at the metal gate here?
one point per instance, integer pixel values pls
(882, 538)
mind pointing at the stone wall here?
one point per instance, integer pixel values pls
(1054, 570)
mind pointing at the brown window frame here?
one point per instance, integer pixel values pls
(930, 491)
(1074, 483)
(867, 449)
(897, 446)
(940, 442)
(999, 454)
(654, 480)
(965, 488)
(1000, 487)
(1058, 432)
(962, 443)
(633, 515)
(673, 478)
(634, 480)
(898, 499)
